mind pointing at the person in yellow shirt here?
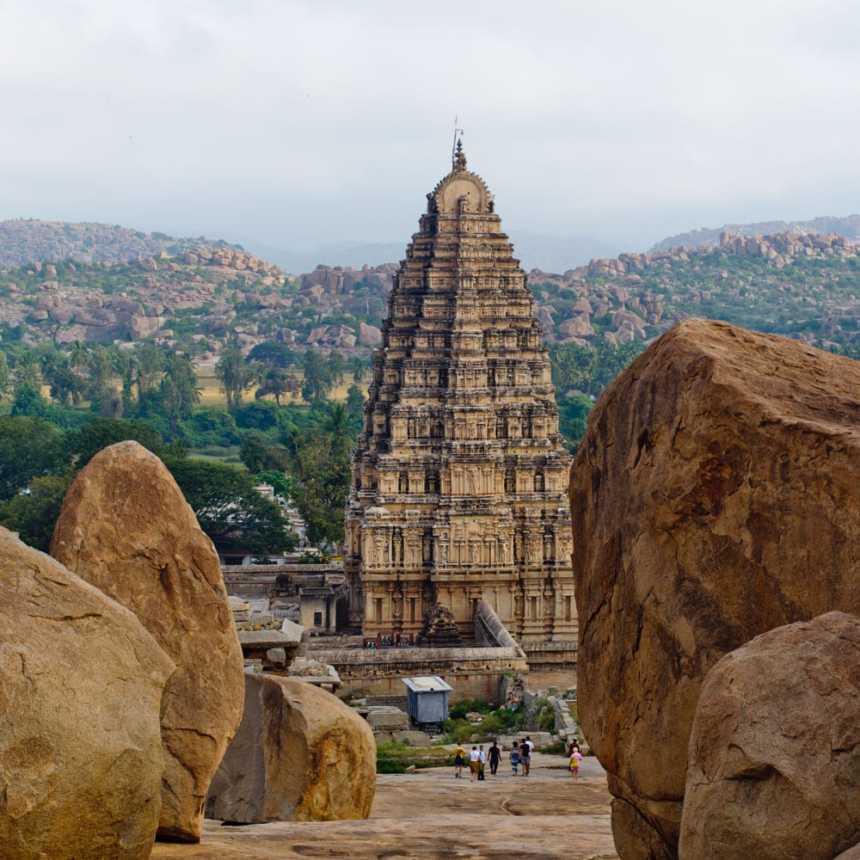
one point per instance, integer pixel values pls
(459, 761)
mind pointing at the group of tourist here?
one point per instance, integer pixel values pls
(521, 757)
(478, 758)
(388, 640)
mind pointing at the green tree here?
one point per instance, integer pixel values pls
(273, 354)
(235, 375)
(27, 371)
(229, 509)
(320, 463)
(29, 447)
(336, 367)
(573, 418)
(258, 454)
(148, 364)
(65, 384)
(355, 408)
(573, 366)
(83, 444)
(357, 367)
(100, 390)
(28, 400)
(34, 514)
(178, 392)
(5, 375)
(317, 376)
(275, 381)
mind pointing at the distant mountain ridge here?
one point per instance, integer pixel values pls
(198, 297)
(24, 241)
(847, 226)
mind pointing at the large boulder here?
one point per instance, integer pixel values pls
(774, 766)
(300, 754)
(714, 497)
(369, 335)
(81, 684)
(126, 528)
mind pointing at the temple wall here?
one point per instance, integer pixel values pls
(474, 673)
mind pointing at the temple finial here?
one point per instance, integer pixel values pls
(459, 156)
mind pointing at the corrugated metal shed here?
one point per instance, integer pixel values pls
(427, 699)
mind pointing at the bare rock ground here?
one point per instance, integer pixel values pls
(430, 814)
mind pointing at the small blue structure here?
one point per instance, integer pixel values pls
(427, 700)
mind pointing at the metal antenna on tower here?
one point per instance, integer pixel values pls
(457, 131)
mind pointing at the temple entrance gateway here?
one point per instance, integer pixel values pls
(460, 475)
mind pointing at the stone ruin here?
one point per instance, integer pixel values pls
(439, 628)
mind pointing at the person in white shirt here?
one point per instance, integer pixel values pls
(474, 763)
(482, 760)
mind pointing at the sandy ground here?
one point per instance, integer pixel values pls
(431, 814)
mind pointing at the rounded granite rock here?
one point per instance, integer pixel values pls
(774, 763)
(81, 685)
(126, 528)
(714, 497)
(300, 755)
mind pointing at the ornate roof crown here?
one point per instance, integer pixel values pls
(461, 190)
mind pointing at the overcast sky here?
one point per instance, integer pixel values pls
(295, 124)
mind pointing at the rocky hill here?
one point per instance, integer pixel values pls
(200, 295)
(30, 240)
(849, 227)
(196, 299)
(806, 286)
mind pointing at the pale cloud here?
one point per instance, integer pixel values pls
(296, 123)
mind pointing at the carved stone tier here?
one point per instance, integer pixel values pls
(459, 478)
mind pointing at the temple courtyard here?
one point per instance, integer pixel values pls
(430, 814)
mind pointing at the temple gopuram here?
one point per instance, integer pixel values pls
(460, 475)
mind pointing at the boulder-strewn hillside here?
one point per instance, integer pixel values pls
(195, 297)
(806, 286)
(198, 296)
(30, 240)
(849, 227)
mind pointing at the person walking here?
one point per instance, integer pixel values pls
(495, 756)
(474, 764)
(459, 761)
(526, 756)
(482, 760)
(515, 759)
(575, 760)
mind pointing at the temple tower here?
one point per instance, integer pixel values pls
(459, 478)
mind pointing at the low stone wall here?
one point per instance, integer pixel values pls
(551, 664)
(474, 673)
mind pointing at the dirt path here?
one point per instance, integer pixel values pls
(431, 814)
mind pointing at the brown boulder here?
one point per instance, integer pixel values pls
(126, 528)
(81, 683)
(369, 335)
(300, 754)
(576, 327)
(714, 498)
(774, 766)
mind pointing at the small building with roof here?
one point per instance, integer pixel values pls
(427, 699)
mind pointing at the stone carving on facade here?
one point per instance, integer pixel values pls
(461, 427)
